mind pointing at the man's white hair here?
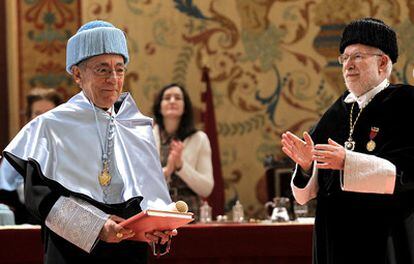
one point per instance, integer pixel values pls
(388, 69)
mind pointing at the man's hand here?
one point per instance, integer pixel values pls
(329, 156)
(112, 232)
(298, 150)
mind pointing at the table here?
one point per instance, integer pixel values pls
(288, 243)
(242, 244)
(20, 244)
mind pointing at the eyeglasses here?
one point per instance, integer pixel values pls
(356, 57)
(106, 72)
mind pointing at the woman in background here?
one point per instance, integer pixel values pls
(185, 152)
(39, 101)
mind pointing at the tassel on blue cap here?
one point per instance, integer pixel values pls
(95, 38)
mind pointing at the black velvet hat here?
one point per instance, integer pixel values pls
(371, 32)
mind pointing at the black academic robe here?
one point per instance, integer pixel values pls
(352, 227)
(42, 193)
(21, 215)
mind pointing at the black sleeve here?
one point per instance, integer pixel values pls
(399, 146)
(301, 177)
(39, 197)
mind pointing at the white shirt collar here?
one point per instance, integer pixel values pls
(364, 99)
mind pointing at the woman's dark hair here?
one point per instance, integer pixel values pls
(186, 126)
(38, 94)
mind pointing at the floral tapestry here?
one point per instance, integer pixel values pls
(44, 27)
(273, 64)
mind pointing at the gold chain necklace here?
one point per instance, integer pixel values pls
(350, 143)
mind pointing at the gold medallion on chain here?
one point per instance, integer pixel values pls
(104, 177)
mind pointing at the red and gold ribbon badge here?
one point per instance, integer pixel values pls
(372, 134)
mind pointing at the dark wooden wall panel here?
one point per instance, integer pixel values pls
(4, 98)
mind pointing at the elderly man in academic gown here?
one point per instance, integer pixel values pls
(92, 161)
(358, 161)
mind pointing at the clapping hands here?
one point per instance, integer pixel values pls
(300, 151)
(175, 161)
(304, 152)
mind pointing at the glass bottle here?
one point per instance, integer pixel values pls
(238, 212)
(205, 212)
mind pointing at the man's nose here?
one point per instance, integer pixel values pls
(112, 77)
(348, 64)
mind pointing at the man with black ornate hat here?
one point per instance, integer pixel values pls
(358, 160)
(92, 160)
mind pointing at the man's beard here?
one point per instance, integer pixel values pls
(360, 87)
